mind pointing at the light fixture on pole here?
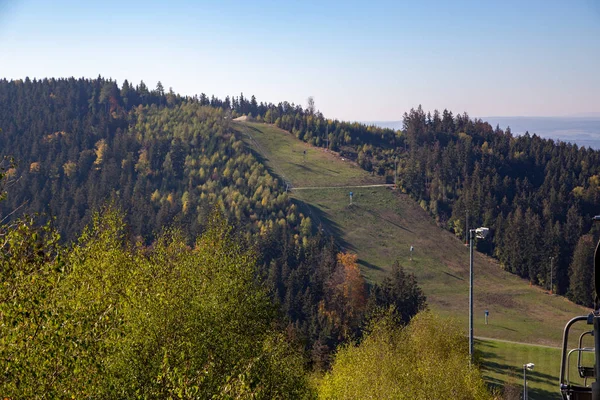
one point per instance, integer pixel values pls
(467, 227)
(480, 233)
(395, 172)
(551, 273)
(526, 367)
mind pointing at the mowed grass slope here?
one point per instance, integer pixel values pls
(286, 158)
(380, 227)
(382, 224)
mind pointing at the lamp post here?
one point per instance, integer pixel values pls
(395, 172)
(480, 233)
(467, 226)
(526, 367)
(551, 273)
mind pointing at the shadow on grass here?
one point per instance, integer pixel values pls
(508, 370)
(453, 276)
(269, 165)
(513, 374)
(502, 327)
(252, 128)
(539, 394)
(333, 171)
(308, 160)
(302, 166)
(321, 218)
(533, 393)
(377, 215)
(369, 265)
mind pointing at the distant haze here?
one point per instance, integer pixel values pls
(581, 130)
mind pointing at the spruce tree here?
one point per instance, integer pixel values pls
(581, 272)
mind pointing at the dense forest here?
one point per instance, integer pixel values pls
(107, 318)
(132, 191)
(173, 157)
(538, 196)
(77, 143)
(86, 293)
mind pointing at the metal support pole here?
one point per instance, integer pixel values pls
(596, 385)
(471, 233)
(551, 273)
(467, 226)
(395, 172)
(524, 383)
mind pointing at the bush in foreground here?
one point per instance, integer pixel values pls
(427, 359)
(104, 319)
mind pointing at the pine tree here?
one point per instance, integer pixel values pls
(581, 272)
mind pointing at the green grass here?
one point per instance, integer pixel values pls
(381, 226)
(503, 363)
(286, 158)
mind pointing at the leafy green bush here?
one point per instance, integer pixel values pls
(428, 359)
(109, 320)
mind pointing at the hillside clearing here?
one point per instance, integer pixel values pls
(300, 163)
(380, 227)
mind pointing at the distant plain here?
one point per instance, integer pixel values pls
(583, 131)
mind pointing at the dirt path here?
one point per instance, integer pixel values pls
(513, 342)
(342, 187)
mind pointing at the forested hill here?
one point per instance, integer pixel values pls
(164, 160)
(78, 142)
(537, 195)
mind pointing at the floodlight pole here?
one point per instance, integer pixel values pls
(524, 382)
(551, 273)
(471, 237)
(396, 172)
(467, 225)
(528, 366)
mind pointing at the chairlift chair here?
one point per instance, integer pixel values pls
(585, 391)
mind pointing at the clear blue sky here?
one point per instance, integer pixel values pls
(361, 60)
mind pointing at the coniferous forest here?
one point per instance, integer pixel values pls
(147, 252)
(537, 196)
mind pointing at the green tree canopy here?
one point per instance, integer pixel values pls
(106, 319)
(426, 360)
(581, 272)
